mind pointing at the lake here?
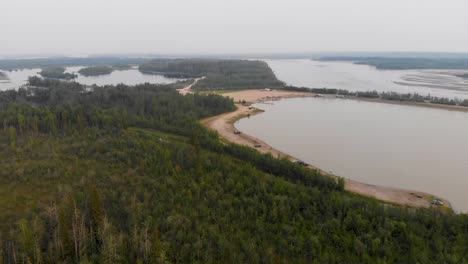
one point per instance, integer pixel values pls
(400, 146)
(130, 77)
(353, 77)
(17, 78)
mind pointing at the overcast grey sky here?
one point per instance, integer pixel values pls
(235, 26)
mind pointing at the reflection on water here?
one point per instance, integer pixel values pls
(129, 77)
(392, 145)
(17, 78)
(352, 77)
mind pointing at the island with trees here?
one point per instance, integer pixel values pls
(3, 76)
(219, 74)
(57, 72)
(96, 70)
(127, 174)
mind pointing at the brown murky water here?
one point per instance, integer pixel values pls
(408, 147)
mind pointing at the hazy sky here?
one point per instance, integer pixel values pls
(234, 26)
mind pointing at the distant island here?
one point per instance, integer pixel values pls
(463, 75)
(220, 74)
(404, 63)
(57, 72)
(3, 76)
(96, 70)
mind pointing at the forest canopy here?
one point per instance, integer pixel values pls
(126, 174)
(57, 72)
(219, 74)
(15, 64)
(96, 70)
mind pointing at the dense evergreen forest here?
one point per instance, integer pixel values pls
(220, 74)
(96, 70)
(390, 63)
(57, 72)
(126, 174)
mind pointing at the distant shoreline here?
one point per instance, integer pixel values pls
(456, 108)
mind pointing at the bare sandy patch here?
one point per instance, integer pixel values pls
(254, 96)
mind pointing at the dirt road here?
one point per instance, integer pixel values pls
(188, 89)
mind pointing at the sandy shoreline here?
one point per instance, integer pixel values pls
(224, 125)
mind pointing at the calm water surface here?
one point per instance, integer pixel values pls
(129, 77)
(352, 77)
(392, 145)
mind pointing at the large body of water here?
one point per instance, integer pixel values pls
(130, 77)
(352, 77)
(17, 78)
(400, 146)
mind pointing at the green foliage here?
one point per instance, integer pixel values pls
(219, 74)
(56, 73)
(96, 70)
(13, 64)
(129, 176)
(3, 76)
(388, 96)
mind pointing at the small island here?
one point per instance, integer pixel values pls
(463, 75)
(96, 70)
(57, 73)
(3, 76)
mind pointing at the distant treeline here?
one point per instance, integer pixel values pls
(220, 74)
(14, 64)
(57, 72)
(3, 76)
(388, 96)
(404, 63)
